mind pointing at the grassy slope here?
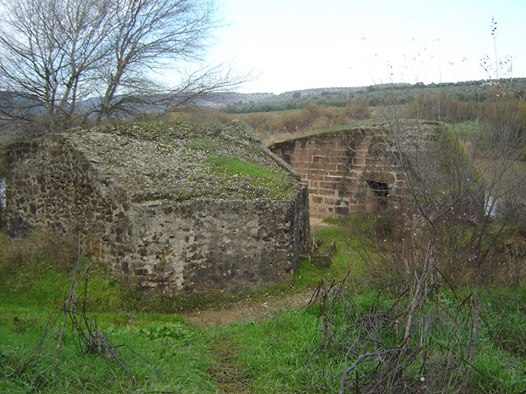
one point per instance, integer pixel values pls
(165, 354)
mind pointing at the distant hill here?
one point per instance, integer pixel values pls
(236, 102)
(245, 98)
(400, 93)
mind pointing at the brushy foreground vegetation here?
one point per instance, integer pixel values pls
(354, 336)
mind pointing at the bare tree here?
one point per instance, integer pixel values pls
(147, 34)
(50, 50)
(57, 54)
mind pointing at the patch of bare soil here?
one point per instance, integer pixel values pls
(250, 309)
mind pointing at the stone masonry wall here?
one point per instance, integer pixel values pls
(204, 246)
(52, 186)
(192, 246)
(347, 171)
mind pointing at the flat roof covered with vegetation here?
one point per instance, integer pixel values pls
(177, 161)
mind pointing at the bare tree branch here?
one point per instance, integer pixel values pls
(60, 58)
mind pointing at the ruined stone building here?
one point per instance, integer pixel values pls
(358, 170)
(177, 208)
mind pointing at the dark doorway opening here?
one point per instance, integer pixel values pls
(380, 191)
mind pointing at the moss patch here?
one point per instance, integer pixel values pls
(273, 182)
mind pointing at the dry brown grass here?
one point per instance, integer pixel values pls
(37, 249)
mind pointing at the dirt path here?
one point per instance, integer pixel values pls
(249, 309)
(226, 370)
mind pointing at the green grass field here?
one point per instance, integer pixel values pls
(291, 352)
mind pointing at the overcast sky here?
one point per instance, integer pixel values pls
(300, 44)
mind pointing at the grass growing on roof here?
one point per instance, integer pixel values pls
(236, 166)
(206, 144)
(280, 183)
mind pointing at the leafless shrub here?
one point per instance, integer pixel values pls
(72, 315)
(450, 227)
(359, 109)
(437, 237)
(442, 107)
(411, 342)
(459, 204)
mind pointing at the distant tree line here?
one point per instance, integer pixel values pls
(381, 95)
(492, 105)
